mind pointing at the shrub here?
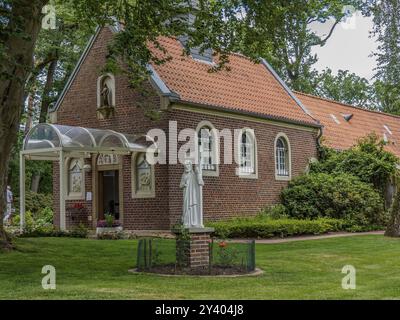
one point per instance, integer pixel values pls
(367, 160)
(340, 196)
(43, 219)
(35, 202)
(277, 211)
(267, 228)
(81, 231)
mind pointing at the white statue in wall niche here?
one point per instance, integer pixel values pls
(192, 184)
(106, 94)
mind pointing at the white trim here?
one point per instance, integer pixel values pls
(239, 116)
(278, 177)
(136, 194)
(238, 171)
(215, 151)
(62, 191)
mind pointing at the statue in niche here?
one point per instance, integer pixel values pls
(106, 94)
(192, 183)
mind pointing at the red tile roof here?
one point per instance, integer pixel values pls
(247, 87)
(345, 134)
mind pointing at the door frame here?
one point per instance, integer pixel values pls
(96, 186)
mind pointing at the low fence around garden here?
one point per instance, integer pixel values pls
(168, 256)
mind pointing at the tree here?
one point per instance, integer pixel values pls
(393, 228)
(288, 27)
(345, 87)
(386, 18)
(19, 28)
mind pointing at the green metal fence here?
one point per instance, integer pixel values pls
(157, 252)
(228, 254)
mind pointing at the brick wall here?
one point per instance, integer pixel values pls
(224, 196)
(229, 195)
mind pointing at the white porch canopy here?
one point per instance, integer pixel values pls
(58, 142)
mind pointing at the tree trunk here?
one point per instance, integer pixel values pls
(29, 115)
(44, 108)
(35, 181)
(25, 20)
(393, 228)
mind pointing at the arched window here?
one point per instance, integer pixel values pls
(282, 157)
(75, 179)
(247, 153)
(208, 149)
(143, 177)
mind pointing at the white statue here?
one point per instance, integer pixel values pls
(192, 184)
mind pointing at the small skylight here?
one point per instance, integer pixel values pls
(335, 119)
(347, 116)
(387, 129)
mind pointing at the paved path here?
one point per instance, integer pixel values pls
(323, 236)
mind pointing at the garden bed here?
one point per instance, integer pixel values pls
(172, 270)
(215, 271)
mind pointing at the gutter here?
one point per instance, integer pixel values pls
(247, 113)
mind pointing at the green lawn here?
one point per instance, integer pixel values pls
(93, 269)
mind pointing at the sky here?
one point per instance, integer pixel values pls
(349, 46)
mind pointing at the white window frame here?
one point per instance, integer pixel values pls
(138, 193)
(253, 154)
(75, 195)
(214, 148)
(288, 158)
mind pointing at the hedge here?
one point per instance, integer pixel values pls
(268, 228)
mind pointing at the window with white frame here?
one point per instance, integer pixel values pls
(247, 151)
(143, 177)
(75, 178)
(282, 157)
(207, 148)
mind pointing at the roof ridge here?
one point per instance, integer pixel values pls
(346, 104)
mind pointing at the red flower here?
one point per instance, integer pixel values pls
(222, 244)
(77, 205)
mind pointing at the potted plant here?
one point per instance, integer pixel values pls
(108, 225)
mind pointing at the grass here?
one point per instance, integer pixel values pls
(93, 269)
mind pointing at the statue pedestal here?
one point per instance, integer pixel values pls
(193, 252)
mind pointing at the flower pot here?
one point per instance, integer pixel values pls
(102, 230)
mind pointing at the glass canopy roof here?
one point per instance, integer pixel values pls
(49, 136)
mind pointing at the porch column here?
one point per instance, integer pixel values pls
(62, 190)
(22, 190)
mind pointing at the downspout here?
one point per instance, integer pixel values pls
(320, 149)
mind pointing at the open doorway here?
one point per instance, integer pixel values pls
(108, 199)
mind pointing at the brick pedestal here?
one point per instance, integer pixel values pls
(194, 253)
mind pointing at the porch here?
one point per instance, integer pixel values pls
(78, 150)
